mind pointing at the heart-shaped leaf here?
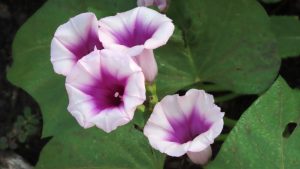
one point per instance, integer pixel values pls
(287, 32)
(228, 43)
(72, 146)
(265, 136)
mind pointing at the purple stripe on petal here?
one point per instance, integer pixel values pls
(107, 91)
(138, 35)
(187, 128)
(86, 45)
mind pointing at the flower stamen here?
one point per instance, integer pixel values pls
(117, 95)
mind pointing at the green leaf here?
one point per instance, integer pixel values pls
(287, 31)
(31, 51)
(173, 67)
(139, 118)
(72, 146)
(228, 43)
(257, 140)
(77, 148)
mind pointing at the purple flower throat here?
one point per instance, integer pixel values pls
(187, 128)
(86, 45)
(138, 35)
(107, 92)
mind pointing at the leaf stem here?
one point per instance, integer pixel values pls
(222, 137)
(226, 97)
(207, 87)
(229, 122)
(151, 97)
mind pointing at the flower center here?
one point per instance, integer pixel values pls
(117, 95)
(86, 46)
(138, 34)
(107, 92)
(117, 98)
(187, 128)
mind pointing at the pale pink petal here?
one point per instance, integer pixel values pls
(147, 62)
(137, 32)
(61, 57)
(176, 150)
(80, 102)
(118, 65)
(158, 128)
(181, 124)
(201, 157)
(73, 40)
(160, 37)
(135, 86)
(112, 118)
(135, 28)
(97, 88)
(145, 2)
(161, 4)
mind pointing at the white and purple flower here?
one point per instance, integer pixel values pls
(185, 124)
(104, 89)
(161, 4)
(138, 32)
(73, 40)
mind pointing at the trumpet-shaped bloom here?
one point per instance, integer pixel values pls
(73, 40)
(161, 4)
(185, 124)
(137, 32)
(104, 89)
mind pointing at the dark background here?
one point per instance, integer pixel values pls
(13, 100)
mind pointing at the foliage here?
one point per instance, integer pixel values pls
(287, 32)
(264, 137)
(218, 45)
(228, 43)
(24, 127)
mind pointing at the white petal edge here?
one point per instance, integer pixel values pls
(147, 62)
(69, 34)
(201, 157)
(86, 71)
(157, 126)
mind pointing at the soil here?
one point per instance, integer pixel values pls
(14, 101)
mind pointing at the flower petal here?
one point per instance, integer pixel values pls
(181, 124)
(145, 2)
(160, 37)
(73, 40)
(147, 62)
(161, 4)
(98, 88)
(134, 28)
(201, 157)
(137, 32)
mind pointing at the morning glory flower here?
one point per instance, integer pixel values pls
(137, 32)
(185, 124)
(161, 4)
(104, 89)
(73, 40)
